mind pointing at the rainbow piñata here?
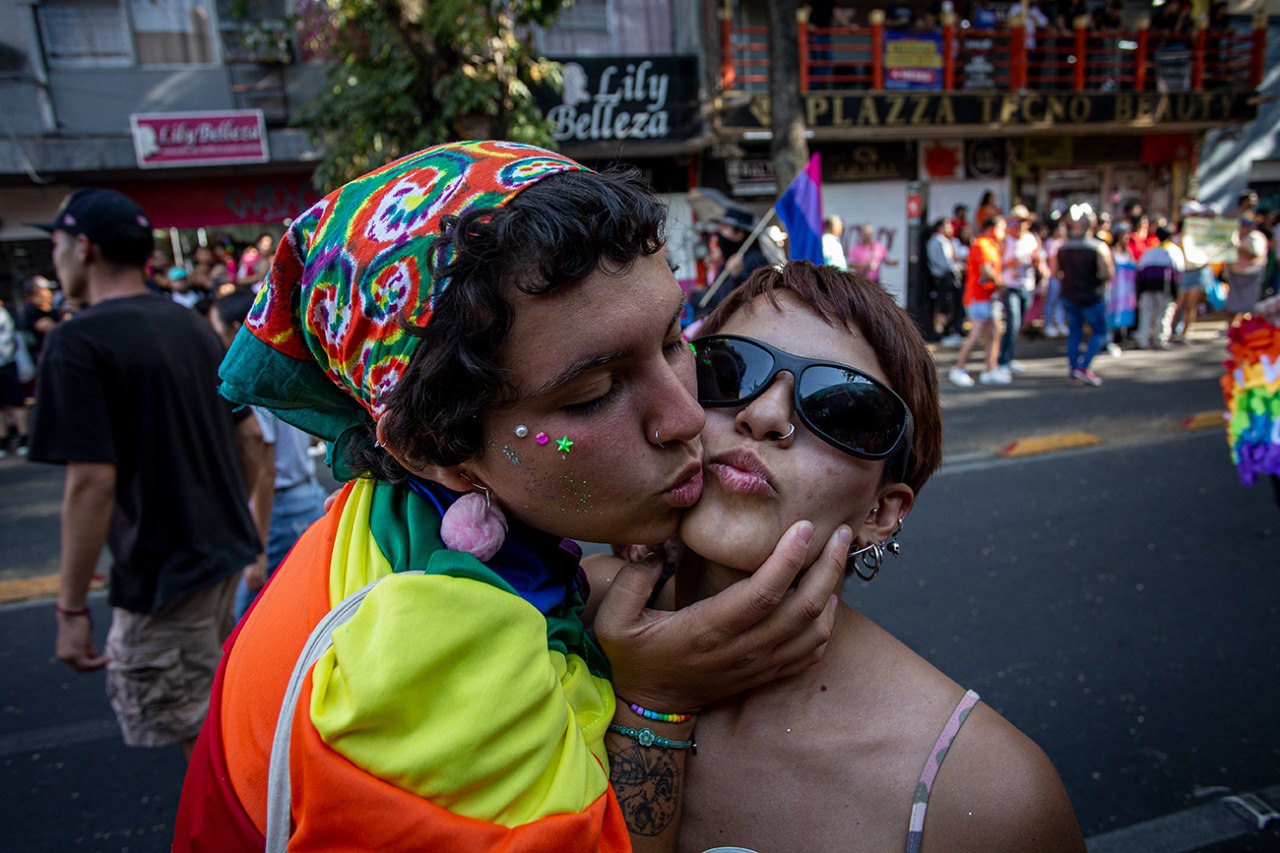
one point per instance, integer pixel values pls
(1251, 388)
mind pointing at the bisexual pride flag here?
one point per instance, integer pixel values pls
(800, 209)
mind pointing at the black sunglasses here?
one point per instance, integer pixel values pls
(841, 405)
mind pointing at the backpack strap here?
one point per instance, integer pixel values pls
(279, 790)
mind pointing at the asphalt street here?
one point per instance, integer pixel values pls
(1118, 603)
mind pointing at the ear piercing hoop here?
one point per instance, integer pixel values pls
(872, 556)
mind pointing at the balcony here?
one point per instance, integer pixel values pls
(1081, 60)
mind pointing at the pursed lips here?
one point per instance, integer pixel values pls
(741, 470)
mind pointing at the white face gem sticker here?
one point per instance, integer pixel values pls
(522, 431)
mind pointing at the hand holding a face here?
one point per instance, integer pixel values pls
(751, 633)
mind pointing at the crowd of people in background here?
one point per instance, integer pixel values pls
(210, 272)
(1133, 281)
(1050, 18)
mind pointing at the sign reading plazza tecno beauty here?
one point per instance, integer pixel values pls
(630, 98)
(899, 113)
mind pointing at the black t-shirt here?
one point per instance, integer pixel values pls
(133, 382)
(30, 316)
(1085, 271)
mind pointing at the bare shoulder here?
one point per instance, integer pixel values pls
(997, 791)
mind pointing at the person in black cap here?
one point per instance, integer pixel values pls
(732, 230)
(129, 404)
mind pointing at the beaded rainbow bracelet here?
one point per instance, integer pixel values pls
(658, 715)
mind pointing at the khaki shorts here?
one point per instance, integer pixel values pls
(163, 663)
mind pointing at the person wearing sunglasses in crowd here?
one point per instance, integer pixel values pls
(477, 328)
(822, 403)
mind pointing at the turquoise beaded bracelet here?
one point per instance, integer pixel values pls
(646, 737)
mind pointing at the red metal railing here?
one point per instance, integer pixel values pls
(1139, 60)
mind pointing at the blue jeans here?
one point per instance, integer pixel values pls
(1015, 305)
(1053, 302)
(1077, 316)
(293, 510)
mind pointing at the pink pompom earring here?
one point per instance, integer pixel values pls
(474, 524)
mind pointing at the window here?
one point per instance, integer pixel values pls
(172, 32)
(124, 33)
(610, 28)
(85, 34)
(582, 29)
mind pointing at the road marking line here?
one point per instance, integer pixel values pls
(52, 737)
(1215, 419)
(962, 458)
(1195, 828)
(992, 462)
(1048, 444)
(33, 603)
(26, 589)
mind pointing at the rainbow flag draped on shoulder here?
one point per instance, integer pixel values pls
(422, 727)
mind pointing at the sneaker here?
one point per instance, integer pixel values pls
(1016, 367)
(960, 377)
(1086, 377)
(1052, 332)
(1113, 350)
(952, 341)
(999, 376)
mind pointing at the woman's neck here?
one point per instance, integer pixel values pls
(697, 578)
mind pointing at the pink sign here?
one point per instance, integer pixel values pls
(166, 140)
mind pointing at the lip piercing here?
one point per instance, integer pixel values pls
(790, 433)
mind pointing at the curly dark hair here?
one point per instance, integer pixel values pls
(553, 234)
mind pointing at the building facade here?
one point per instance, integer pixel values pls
(912, 115)
(915, 116)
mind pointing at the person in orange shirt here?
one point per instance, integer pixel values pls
(982, 279)
(988, 208)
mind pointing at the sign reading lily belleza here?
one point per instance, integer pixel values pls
(632, 98)
(163, 140)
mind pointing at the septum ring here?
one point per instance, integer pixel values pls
(790, 433)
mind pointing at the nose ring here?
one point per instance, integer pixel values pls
(790, 433)
(657, 438)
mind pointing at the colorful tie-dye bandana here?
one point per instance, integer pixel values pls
(324, 343)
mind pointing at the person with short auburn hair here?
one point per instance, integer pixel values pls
(822, 403)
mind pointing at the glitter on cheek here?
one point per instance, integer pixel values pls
(511, 455)
(577, 497)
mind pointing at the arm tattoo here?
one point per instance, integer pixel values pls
(646, 782)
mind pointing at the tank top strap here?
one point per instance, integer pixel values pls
(920, 802)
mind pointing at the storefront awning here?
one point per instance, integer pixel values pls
(219, 202)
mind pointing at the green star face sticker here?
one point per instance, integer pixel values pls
(563, 444)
